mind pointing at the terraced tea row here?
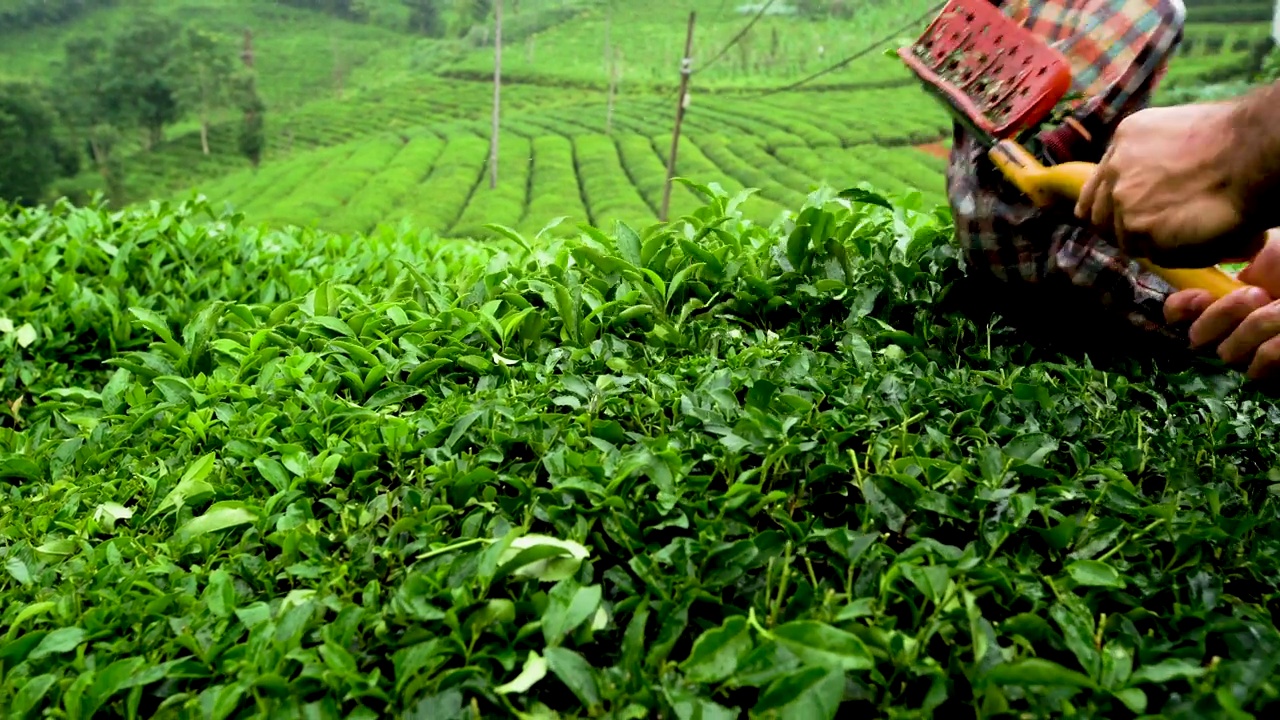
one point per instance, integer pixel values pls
(398, 108)
(649, 38)
(894, 117)
(548, 168)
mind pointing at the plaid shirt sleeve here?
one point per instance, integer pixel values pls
(1119, 51)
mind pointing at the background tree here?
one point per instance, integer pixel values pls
(92, 108)
(424, 17)
(28, 149)
(15, 15)
(206, 65)
(393, 14)
(253, 137)
(146, 74)
(466, 14)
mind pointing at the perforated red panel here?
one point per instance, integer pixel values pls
(999, 74)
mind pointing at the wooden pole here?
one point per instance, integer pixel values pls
(246, 55)
(608, 33)
(613, 92)
(339, 71)
(686, 69)
(497, 92)
(609, 64)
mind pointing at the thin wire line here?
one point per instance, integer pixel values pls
(861, 53)
(736, 39)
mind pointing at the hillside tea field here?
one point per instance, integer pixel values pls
(707, 470)
(560, 161)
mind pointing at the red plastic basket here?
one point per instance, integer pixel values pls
(1000, 75)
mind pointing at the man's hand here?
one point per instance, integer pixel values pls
(1170, 187)
(1245, 325)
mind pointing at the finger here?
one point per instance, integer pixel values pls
(1257, 328)
(1101, 216)
(1266, 361)
(1263, 269)
(1084, 204)
(1121, 237)
(1186, 305)
(1223, 316)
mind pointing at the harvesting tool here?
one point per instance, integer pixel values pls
(1002, 82)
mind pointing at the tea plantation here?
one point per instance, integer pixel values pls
(351, 434)
(681, 471)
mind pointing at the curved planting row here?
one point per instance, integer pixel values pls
(505, 203)
(693, 163)
(608, 192)
(553, 188)
(324, 195)
(555, 162)
(399, 107)
(778, 127)
(753, 152)
(438, 202)
(913, 167)
(1208, 68)
(1231, 11)
(717, 149)
(851, 166)
(544, 123)
(898, 116)
(649, 173)
(263, 196)
(383, 196)
(1214, 38)
(240, 187)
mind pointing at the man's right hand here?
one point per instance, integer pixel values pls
(1171, 187)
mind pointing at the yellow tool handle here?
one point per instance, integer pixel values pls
(1046, 184)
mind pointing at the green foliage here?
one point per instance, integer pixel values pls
(432, 18)
(29, 153)
(842, 9)
(714, 469)
(425, 17)
(18, 15)
(804, 140)
(91, 106)
(395, 82)
(149, 76)
(649, 39)
(206, 65)
(1231, 11)
(253, 133)
(145, 75)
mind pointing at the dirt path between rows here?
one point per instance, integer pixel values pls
(936, 149)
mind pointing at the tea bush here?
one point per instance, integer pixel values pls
(708, 469)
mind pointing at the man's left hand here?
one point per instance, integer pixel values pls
(1245, 324)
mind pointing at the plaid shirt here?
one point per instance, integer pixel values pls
(1118, 51)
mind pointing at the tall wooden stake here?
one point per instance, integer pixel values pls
(613, 92)
(608, 34)
(497, 92)
(686, 69)
(610, 64)
(246, 55)
(339, 69)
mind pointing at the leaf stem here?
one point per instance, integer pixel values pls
(1154, 524)
(450, 548)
